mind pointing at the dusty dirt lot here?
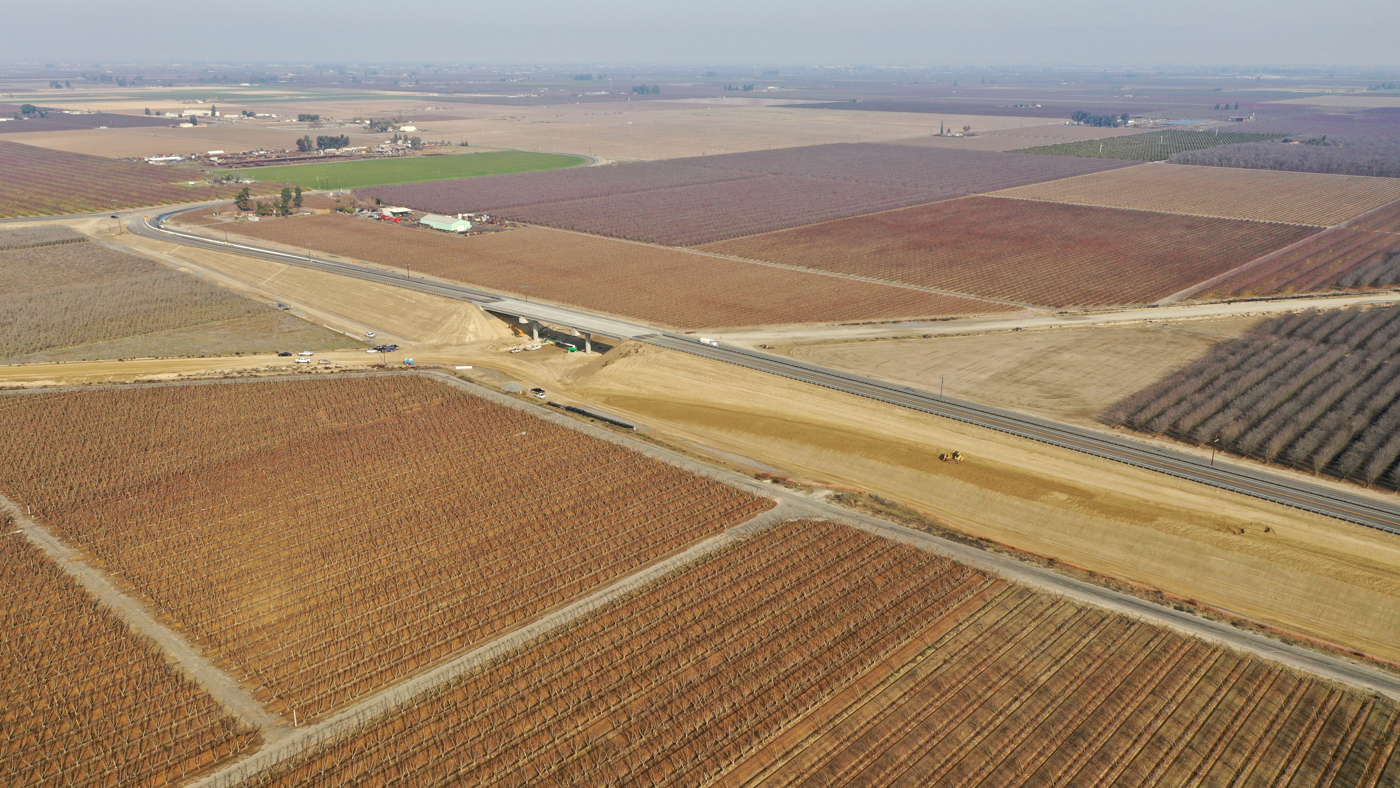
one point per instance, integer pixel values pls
(1070, 374)
(654, 130)
(1300, 572)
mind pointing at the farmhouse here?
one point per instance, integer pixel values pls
(451, 224)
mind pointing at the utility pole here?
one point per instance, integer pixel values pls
(940, 385)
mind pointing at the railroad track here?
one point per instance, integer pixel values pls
(1382, 515)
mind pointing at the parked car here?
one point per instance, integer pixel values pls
(303, 361)
(369, 334)
(306, 353)
(285, 353)
(372, 350)
(538, 392)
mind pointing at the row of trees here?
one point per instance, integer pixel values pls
(1089, 119)
(289, 200)
(645, 89)
(1314, 391)
(323, 142)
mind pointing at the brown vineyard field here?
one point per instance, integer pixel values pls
(816, 654)
(668, 286)
(322, 538)
(1033, 252)
(1228, 192)
(85, 701)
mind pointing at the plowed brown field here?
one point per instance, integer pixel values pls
(322, 538)
(816, 654)
(667, 286)
(1027, 251)
(1228, 192)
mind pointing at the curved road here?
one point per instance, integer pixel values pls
(1342, 505)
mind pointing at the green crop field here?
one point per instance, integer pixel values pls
(381, 172)
(1152, 145)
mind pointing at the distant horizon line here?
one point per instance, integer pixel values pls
(1260, 69)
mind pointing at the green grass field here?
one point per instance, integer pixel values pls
(1150, 146)
(381, 172)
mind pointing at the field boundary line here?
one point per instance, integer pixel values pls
(222, 687)
(1252, 264)
(279, 246)
(1347, 225)
(411, 690)
(1158, 211)
(798, 268)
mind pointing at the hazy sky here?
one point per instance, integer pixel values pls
(815, 32)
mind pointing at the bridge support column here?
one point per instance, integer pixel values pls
(587, 342)
(535, 330)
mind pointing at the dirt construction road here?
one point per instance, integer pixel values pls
(143, 369)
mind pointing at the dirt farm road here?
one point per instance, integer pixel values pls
(224, 688)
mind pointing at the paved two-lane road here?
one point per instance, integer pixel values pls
(1383, 515)
(1259, 484)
